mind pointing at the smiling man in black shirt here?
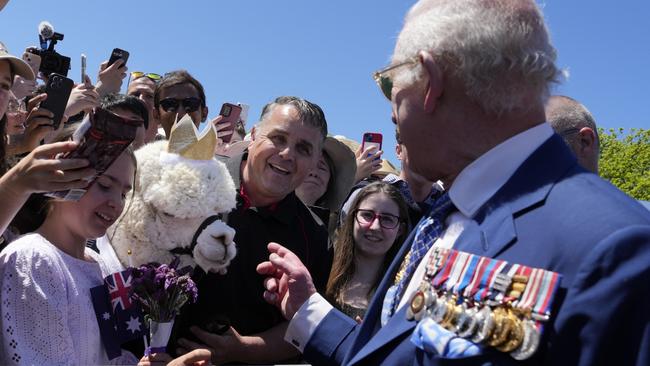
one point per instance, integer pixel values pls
(286, 145)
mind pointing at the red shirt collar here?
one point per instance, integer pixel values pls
(247, 200)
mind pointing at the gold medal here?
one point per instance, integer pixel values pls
(502, 328)
(516, 335)
(451, 313)
(416, 306)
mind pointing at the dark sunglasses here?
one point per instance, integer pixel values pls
(190, 104)
(385, 82)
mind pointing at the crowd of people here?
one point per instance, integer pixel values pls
(494, 243)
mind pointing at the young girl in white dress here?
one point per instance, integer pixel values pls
(47, 316)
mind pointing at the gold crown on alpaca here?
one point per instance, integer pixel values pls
(184, 140)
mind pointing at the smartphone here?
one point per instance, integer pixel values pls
(83, 68)
(230, 113)
(118, 54)
(33, 60)
(58, 90)
(371, 139)
(102, 137)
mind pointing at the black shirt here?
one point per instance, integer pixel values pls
(236, 297)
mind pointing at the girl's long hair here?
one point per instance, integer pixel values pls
(343, 266)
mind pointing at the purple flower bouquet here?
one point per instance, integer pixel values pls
(162, 290)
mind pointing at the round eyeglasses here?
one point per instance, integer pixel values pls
(367, 217)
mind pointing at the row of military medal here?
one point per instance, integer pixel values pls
(485, 300)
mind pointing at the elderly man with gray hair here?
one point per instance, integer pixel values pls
(527, 259)
(571, 120)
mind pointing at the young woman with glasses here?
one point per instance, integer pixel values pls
(365, 246)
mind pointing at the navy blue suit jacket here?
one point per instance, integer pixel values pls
(550, 214)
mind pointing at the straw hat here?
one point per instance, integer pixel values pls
(343, 172)
(18, 66)
(386, 168)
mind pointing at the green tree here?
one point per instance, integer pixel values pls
(625, 160)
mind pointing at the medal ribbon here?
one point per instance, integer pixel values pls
(489, 278)
(532, 287)
(494, 293)
(470, 268)
(457, 271)
(442, 276)
(546, 293)
(478, 274)
(501, 296)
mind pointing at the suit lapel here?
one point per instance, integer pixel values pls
(396, 326)
(529, 186)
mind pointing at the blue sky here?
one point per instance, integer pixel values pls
(252, 51)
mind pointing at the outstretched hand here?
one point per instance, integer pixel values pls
(288, 284)
(40, 171)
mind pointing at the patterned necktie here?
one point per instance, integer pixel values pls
(427, 232)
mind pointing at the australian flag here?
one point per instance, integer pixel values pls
(120, 319)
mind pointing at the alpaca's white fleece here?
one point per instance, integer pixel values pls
(172, 198)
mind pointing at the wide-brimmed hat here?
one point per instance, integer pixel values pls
(18, 66)
(343, 172)
(386, 168)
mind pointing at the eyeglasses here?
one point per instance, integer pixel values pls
(190, 104)
(367, 217)
(152, 76)
(385, 82)
(568, 132)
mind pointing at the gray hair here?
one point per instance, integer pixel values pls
(500, 50)
(566, 115)
(310, 113)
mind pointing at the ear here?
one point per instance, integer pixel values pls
(204, 113)
(587, 138)
(435, 85)
(398, 151)
(253, 133)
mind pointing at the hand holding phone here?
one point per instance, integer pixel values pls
(102, 137)
(116, 55)
(83, 69)
(58, 90)
(33, 60)
(229, 117)
(371, 139)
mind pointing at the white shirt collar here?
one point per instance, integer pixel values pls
(481, 179)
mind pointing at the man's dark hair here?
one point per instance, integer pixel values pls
(310, 113)
(130, 103)
(177, 77)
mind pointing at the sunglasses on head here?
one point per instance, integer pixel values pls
(385, 81)
(190, 104)
(152, 76)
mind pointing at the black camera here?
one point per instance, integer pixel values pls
(51, 61)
